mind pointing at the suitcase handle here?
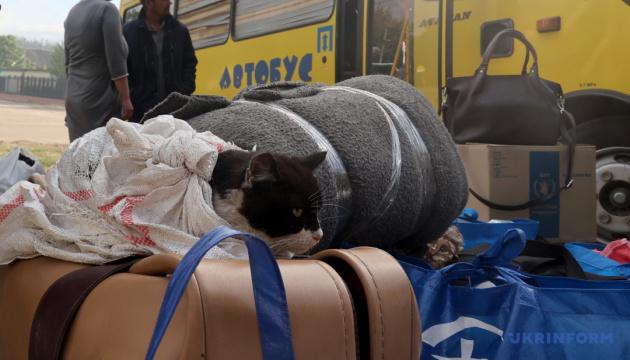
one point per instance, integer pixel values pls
(269, 293)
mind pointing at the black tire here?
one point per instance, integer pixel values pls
(610, 131)
(587, 105)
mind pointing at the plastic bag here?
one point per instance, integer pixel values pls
(17, 165)
(487, 310)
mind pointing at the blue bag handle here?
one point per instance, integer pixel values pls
(502, 252)
(470, 215)
(269, 293)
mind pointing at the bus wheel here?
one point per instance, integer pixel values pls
(605, 132)
(613, 193)
(603, 120)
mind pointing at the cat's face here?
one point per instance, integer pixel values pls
(278, 200)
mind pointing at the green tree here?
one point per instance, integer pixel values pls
(58, 61)
(11, 55)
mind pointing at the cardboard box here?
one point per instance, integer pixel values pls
(512, 174)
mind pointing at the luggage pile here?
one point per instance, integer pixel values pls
(340, 304)
(392, 177)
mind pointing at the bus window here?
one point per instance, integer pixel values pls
(131, 14)
(349, 39)
(258, 17)
(388, 38)
(489, 29)
(208, 21)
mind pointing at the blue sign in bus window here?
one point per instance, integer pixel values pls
(325, 38)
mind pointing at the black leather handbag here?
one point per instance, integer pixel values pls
(509, 109)
(503, 109)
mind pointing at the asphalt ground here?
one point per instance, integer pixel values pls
(31, 119)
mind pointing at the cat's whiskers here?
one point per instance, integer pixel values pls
(279, 246)
(328, 198)
(337, 206)
(326, 186)
(319, 195)
(314, 196)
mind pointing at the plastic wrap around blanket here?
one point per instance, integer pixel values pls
(398, 124)
(421, 159)
(396, 118)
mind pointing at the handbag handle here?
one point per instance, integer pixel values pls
(567, 130)
(483, 68)
(269, 293)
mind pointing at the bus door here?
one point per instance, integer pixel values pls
(349, 39)
(402, 41)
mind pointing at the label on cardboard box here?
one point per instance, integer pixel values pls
(514, 174)
(544, 179)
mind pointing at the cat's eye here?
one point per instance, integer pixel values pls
(297, 212)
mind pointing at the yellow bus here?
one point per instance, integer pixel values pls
(582, 45)
(245, 42)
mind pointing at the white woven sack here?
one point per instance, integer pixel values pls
(117, 191)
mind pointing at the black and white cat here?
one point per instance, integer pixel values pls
(273, 196)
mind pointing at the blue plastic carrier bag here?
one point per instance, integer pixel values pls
(477, 232)
(595, 263)
(488, 310)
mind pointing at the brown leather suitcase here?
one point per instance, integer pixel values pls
(343, 304)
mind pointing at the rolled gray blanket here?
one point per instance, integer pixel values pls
(388, 199)
(250, 124)
(392, 177)
(449, 177)
(185, 107)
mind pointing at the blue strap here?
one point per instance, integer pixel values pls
(468, 214)
(269, 294)
(503, 251)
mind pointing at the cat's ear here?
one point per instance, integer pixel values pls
(262, 167)
(313, 160)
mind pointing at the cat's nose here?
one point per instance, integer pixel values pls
(317, 235)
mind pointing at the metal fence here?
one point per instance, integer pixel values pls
(33, 86)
